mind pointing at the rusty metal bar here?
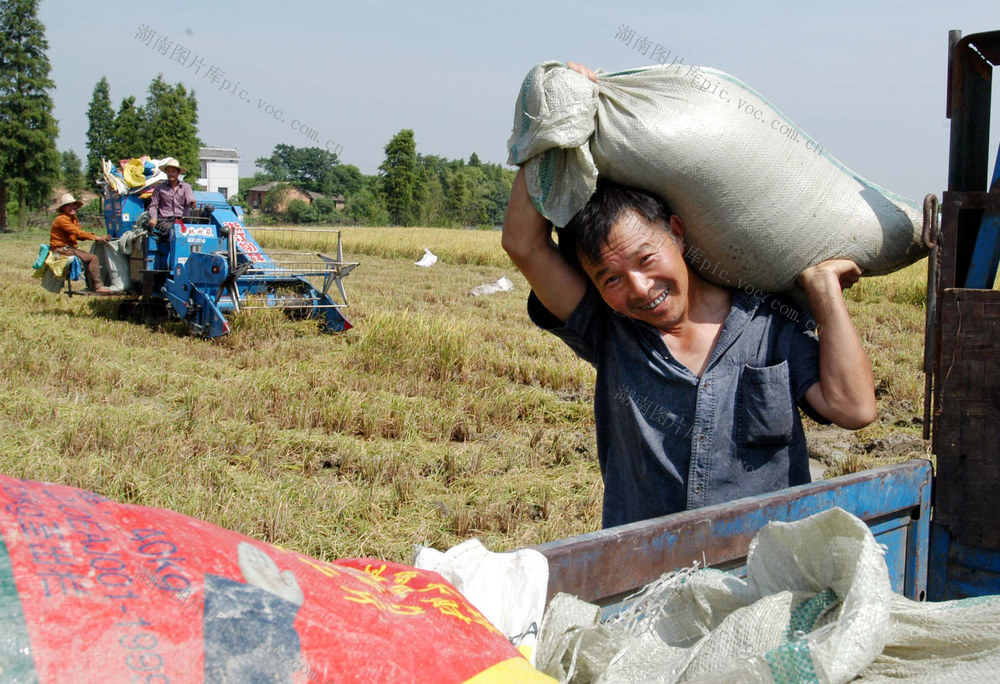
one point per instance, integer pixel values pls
(973, 201)
(931, 234)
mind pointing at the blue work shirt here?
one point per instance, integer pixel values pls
(668, 440)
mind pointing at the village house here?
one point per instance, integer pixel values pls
(220, 170)
(256, 194)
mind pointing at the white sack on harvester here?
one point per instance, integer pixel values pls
(759, 197)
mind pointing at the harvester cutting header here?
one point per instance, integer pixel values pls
(201, 262)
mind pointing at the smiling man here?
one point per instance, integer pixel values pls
(64, 237)
(697, 384)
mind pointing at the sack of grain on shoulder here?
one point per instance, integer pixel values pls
(761, 200)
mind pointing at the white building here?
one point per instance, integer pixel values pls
(220, 170)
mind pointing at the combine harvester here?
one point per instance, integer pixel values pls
(209, 264)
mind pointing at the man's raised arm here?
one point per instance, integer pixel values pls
(527, 240)
(845, 393)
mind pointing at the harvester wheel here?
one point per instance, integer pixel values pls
(128, 310)
(155, 313)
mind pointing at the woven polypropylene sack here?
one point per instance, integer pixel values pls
(951, 641)
(814, 608)
(761, 200)
(96, 591)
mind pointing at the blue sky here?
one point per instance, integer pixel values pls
(866, 80)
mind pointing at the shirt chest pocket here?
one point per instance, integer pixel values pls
(765, 412)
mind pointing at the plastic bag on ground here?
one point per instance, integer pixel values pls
(761, 200)
(427, 260)
(96, 591)
(508, 588)
(501, 285)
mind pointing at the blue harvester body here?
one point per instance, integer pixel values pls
(209, 265)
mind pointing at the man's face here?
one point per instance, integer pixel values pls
(172, 173)
(68, 209)
(641, 273)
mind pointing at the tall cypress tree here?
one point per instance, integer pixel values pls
(399, 180)
(100, 130)
(172, 124)
(457, 197)
(29, 161)
(127, 139)
(72, 176)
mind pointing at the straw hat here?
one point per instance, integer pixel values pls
(68, 199)
(170, 161)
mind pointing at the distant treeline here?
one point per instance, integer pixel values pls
(410, 189)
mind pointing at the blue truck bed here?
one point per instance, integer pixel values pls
(604, 567)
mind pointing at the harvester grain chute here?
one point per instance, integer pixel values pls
(209, 264)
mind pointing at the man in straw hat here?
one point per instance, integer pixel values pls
(171, 199)
(66, 232)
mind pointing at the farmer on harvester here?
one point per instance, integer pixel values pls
(172, 199)
(65, 234)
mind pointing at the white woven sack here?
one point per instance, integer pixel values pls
(815, 607)
(927, 643)
(760, 199)
(114, 265)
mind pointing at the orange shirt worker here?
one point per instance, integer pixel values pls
(66, 232)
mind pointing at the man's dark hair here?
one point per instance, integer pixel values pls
(587, 232)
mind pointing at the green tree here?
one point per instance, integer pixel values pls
(307, 167)
(399, 181)
(474, 209)
(456, 195)
(299, 211)
(433, 211)
(29, 161)
(433, 172)
(72, 174)
(274, 166)
(100, 130)
(343, 179)
(127, 139)
(326, 211)
(367, 206)
(499, 183)
(171, 124)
